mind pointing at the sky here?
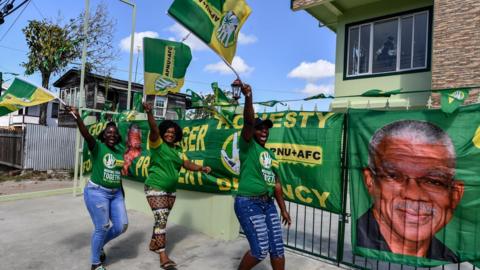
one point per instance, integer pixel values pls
(282, 54)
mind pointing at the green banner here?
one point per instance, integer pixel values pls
(306, 144)
(414, 189)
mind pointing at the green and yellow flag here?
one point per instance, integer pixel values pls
(197, 100)
(452, 99)
(221, 98)
(216, 22)
(166, 63)
(23, 94)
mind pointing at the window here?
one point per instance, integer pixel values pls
(388, 45)
(54, 113)
(159, 106)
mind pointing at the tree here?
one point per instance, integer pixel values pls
(202, 113)
(51, 50)
(53, 46)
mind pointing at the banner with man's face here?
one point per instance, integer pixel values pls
(415, 186)
(306, 144)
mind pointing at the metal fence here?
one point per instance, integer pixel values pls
(38, 147)
(11, 147)
(48, 147)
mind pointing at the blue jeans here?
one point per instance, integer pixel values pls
(261, 224)
(105, 205)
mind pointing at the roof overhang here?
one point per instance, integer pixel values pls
(327, 12)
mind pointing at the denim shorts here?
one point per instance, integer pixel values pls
(261, 224)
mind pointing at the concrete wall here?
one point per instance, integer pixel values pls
(408, 82)
(210, 214)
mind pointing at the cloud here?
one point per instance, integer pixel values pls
(313, 71)
(192, 41)
(138, 42)
(246, 39)
(314, 89)
(238, 64)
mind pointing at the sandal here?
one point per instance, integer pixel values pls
(169, 265)
(172, 262)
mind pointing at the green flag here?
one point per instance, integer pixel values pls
(197, 100)
(215, 22)
(319, 96)
(271, 103)
(221, 98)
(166, 63)
(380, 93)
(452, 99)
(180, 113)
(137, 102)
(22, 94)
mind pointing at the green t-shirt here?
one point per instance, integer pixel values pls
(165, 163)
(258, 167)
(107, 164)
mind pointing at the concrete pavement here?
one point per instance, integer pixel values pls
(54, 233)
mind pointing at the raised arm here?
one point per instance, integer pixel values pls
(248, 112)
(281, 202)
(187, 164)
(154, 132)
(81, 126)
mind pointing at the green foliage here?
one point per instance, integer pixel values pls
(51, 49)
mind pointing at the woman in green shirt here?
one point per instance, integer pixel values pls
(103, 194)
(166, 159)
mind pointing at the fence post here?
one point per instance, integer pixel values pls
(343, 217)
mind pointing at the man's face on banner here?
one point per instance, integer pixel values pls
(413, 188)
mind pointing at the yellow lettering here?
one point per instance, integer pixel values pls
(291, 119)
(139, 165)
(200, 145)
(146, 162)
(322, 199)
(305, 116)
(186, 132)
(236, 121)
(191, 138)
(322, 119)
(298, 193)
(274, 117)
(288, 192)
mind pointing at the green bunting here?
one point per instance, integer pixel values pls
(319, 96)
(380, 93)
(271, 103)
(452, 99)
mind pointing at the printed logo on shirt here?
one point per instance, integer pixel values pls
(265, 160)
(109, 161)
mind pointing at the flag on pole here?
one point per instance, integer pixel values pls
(216, 22)
(221, 98)
(22, 94)
(452, 99)
(165, 63)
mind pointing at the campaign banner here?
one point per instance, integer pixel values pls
(306, 144)
(414, 185)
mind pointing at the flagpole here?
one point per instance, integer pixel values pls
(191, 32)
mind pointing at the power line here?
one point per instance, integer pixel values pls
(13, 49)
(18, 16)
(38, 10)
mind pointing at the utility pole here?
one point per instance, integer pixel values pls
(1, 83)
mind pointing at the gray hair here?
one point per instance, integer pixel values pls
(414, 131)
